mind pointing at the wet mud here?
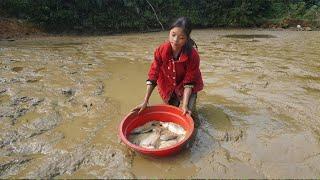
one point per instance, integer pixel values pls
(62, 99)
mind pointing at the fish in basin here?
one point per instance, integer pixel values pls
(173, 127)
(147, 127)
(168, 135)
(156, 134)
(165, 144)
(137, 138)
(151, 141)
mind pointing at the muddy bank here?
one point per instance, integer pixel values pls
(11, 29)
(292, 24)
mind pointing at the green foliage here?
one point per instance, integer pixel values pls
(128, 15)
(313, 13)
(277, 10)
(297, 9)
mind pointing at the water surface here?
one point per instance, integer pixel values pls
(62, 99)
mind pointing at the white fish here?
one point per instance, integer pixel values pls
(173, 127)
(156, 134)
(167, 135)
(147, 127)
(181, 137)
(137, 138)
(164, 144)
(152, 140)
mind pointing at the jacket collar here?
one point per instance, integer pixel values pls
(168, 51)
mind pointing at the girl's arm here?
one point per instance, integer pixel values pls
(150, 88)
(186, 95)
(145, 103)
(152, 80)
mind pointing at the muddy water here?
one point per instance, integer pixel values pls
(62, 99)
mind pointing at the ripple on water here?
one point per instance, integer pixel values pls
(308, 77)
(312, 90)
(283, 67)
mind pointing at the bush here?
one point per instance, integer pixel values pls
(128, 15)
(313, 15)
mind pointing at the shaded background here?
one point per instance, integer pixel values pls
(141, 15)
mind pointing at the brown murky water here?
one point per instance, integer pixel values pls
(62, 99)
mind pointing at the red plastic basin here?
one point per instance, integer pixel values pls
(165, 113)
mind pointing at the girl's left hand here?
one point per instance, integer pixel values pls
(185, 110)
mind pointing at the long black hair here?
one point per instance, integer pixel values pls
(185, 24)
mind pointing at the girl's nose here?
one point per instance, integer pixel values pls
(175, 39)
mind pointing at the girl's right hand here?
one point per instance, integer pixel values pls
(140, 107)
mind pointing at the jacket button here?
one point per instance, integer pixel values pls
(168, 67)
(174, 84)
(173, 77)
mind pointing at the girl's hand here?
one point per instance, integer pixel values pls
(140, 107)
(185, 110)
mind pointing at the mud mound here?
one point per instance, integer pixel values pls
(288, 23)
(14, 28)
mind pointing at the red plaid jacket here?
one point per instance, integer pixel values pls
(171, 76)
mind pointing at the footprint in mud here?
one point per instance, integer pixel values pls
(39, 70)
(232, 135)
(215, 116)
(33, 80)
(17, 69)
(87, 106)
(218, 124)
(12, 164)
(68, 92)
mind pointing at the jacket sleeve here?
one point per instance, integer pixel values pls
(155, 67)
(193, 67)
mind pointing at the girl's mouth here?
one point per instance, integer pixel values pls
(174, 44)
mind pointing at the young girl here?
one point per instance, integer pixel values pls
(175, 69)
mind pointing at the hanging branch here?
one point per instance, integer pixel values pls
(155, 14)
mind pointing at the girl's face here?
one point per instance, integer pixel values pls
(177, 38)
